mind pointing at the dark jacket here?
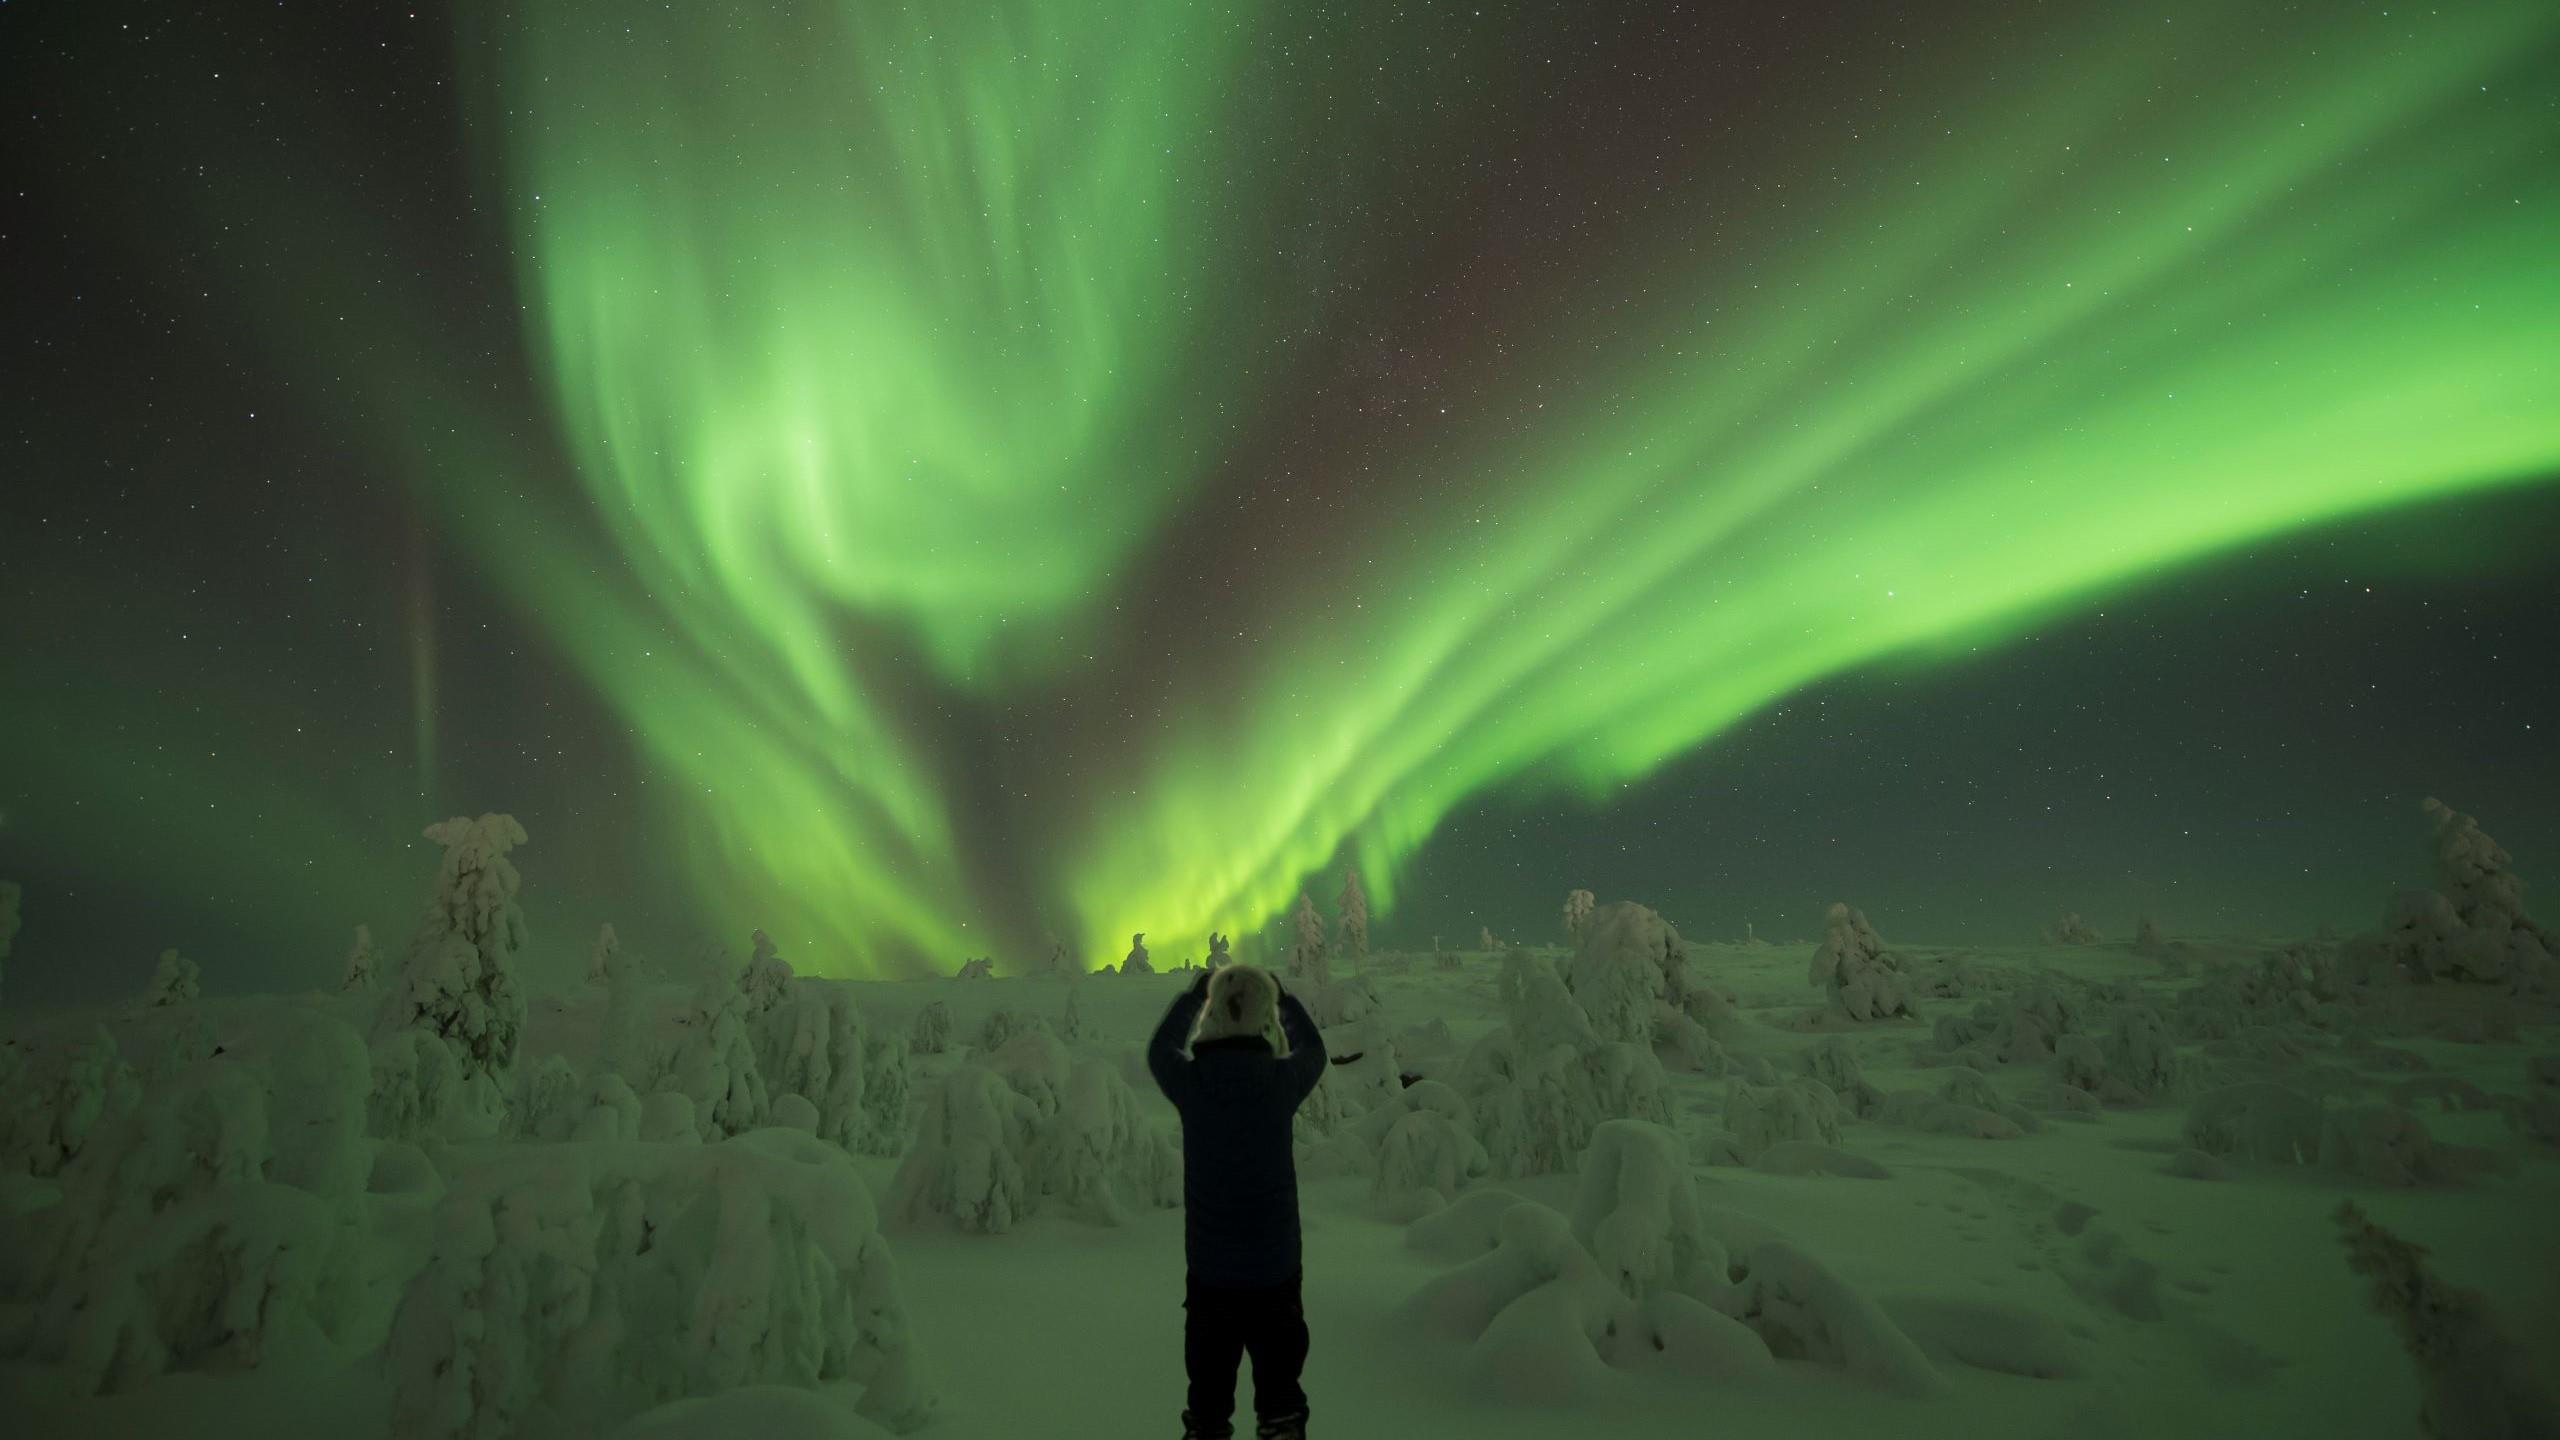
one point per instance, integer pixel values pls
(1239, 1176)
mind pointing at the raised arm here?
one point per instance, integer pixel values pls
(1164, 1050)
(1306, 1046)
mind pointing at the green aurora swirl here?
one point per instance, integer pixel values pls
(887, 342)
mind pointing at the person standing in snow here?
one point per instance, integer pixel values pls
(1239, 1193)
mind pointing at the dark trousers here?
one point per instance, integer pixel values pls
(1221, 1326)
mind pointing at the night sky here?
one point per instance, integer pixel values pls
(919, 479)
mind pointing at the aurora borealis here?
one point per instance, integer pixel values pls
(970, 474)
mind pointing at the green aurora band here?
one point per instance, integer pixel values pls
(878, 336)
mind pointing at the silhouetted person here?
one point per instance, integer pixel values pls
(1239, 1193)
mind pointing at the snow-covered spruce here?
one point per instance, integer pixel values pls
(930, 1032)
(53, 1098)
(1636, 1212)
(1034, 1123)
(1629, 968)
(1832, 1061)
(1136, 961)
(1541, 1083)
(457, 983)
(2471, 927)
(1757, 1118)
(1578, 905)
(1001, 1025)
(360, 961)
(1863, 978)
(568, 1286)
(2071, 930)
(174, 981)
(981, 968)
(2020, 1028)
(1351, 925)
(1420, 1139)
(603, 955)
(966, 1164)
(1309, 963)
(713, 1065)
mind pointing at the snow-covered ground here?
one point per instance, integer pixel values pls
(1662, 1188)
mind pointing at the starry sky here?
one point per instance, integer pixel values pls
(922, 482)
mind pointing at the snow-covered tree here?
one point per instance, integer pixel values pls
(930, 1033)
(1757, 1118)
(2146, 937)
(1578, 905)
(2070, 930)
(1219, 958)
(1424, 1158)
(1084, 1143)
(714, 1064)
(1071, 1024)
(173, 982)
(1539, 1084)
(967, 1164)
(600, 955)
(1135, 962)
(360, 961)
(458, 982)
(886, 1076)
(1001, 1025)
(1630, 965)
(526, 1316)
(1307, 960)
(981, 968)
(54, 1098)
(1485, 940)
(1637, 1213)
(1351, 924)
(766, 982)
(1864, 978)
(1058, 958)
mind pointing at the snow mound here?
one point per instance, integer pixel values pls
(770, 1412)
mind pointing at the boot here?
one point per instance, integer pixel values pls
(1283, 1427)
(1196, 1427)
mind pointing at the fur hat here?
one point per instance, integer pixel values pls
(1243, 1000)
